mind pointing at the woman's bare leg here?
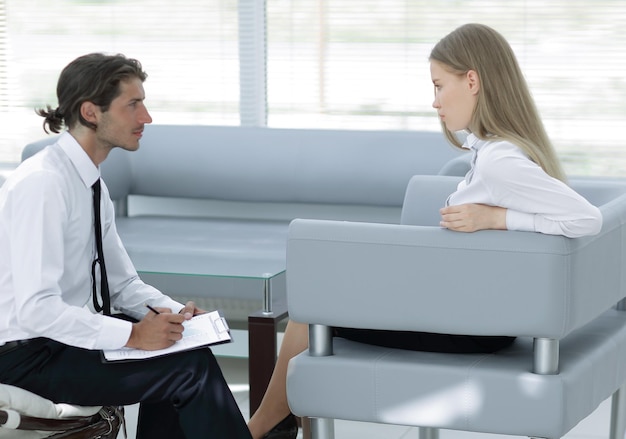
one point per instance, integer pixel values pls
(274, 407)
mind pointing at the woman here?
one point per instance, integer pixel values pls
(515, 183)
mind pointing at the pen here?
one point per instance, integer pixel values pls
(152, 309)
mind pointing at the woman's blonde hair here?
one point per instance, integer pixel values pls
(504, 108)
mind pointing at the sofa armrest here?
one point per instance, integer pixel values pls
(417, 278)
(116, 170)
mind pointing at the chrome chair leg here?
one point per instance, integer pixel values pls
(428, 433)
(618, 417)
(322, 428)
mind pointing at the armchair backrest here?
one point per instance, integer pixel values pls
(599, 191)
(424, 196)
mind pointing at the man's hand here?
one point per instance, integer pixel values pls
(157, 331)
(473, 217)
(191, 310)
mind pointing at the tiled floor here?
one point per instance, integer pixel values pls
(595, 426)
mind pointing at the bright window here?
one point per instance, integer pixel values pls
(189, 48)
(347, 64)
(364, 64)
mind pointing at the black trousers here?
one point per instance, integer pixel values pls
(183, 395)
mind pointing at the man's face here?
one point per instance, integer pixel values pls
(122, 125)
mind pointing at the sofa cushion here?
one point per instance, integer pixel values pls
(283, 165)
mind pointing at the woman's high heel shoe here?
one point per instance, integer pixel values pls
(285, 429)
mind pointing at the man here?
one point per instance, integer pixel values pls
(50, 261)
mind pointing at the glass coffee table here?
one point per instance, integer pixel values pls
(263, 280)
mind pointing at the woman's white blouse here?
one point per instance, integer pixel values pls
(503, 175)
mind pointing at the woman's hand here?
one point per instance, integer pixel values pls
(473, 217)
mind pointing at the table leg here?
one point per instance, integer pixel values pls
(262, 352)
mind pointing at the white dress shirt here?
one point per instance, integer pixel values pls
(47, 246)
(503, 175)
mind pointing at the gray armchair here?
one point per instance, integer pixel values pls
(562, 298)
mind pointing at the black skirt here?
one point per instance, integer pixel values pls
(426, 341)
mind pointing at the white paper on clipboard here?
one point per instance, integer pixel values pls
(201, 330)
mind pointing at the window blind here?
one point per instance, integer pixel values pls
(3, 56)
(252, 62)
(363, 64)
(330, 63)
(189, 48)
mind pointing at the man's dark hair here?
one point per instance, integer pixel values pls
(93, 78)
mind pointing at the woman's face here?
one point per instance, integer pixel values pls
(455, 96)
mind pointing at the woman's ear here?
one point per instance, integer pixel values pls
(473, 81)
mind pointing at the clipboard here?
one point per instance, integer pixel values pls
(201, 331)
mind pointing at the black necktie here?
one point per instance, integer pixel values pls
(104, 284)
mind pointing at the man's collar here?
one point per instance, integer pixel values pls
(87, 170)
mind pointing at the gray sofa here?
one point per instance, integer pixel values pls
(197, 200)
(204, 211)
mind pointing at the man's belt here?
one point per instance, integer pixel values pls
(12, 345)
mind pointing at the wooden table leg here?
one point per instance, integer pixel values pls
(262, 352)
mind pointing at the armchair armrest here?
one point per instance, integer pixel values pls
(421, 278)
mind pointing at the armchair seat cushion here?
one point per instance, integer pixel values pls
(17, 402)
(491, 393)
(28, 403)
